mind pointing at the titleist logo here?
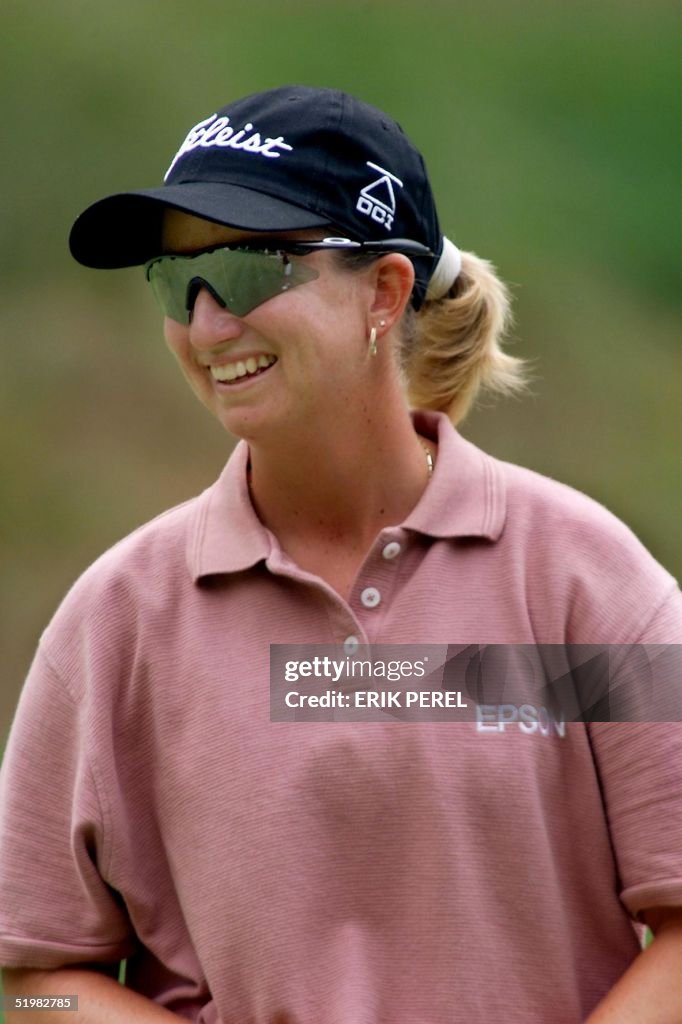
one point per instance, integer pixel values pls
(217, 131)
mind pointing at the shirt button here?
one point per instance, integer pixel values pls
(351, 644)
(391, 550)
(370, 597)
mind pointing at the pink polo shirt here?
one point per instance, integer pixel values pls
(257, 872)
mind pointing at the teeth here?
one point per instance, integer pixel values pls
(242, 368)
(228, 372)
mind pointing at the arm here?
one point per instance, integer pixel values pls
(650, 991)
(101, 1000)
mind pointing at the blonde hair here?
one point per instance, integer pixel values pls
(452, 347)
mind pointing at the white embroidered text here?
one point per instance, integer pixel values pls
(217, 131)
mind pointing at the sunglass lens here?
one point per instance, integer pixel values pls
(240, 279)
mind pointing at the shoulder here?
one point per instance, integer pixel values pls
(137, 580)
(154, 551)
(549, 509)
(587, 557)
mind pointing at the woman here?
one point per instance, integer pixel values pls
(270, 872)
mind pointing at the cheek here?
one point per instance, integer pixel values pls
(333, 308)
(176, 336)
(177, 340)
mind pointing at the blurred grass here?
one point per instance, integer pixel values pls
(550, 132)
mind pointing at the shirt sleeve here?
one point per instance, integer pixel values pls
(56, 908)
(640, 770)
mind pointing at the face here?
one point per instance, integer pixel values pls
(292, 360)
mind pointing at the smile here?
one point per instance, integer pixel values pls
(250, 367)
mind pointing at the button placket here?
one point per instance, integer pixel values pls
(346, 627)
(351, 645)
(391, 550)
(370, 597)
(380, 573)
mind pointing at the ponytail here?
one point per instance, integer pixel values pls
(452, 346)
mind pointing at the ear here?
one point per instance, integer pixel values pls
(392, 281)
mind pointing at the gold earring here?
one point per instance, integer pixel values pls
(373, 341)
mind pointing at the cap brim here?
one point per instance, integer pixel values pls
(124, 230)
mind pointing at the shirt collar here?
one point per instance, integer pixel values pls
(465, 498)
(466, 495)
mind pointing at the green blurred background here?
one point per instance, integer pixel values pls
(551, 135)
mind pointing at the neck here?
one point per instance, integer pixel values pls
(340, 486)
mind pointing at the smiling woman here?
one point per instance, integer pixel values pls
(270, 870)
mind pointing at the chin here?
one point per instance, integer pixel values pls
(246, 425)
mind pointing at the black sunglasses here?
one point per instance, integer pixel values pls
(241, 276)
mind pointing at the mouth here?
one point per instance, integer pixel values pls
(242, 369)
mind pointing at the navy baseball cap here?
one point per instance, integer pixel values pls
(282, 160)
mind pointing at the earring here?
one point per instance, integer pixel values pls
(373, 341)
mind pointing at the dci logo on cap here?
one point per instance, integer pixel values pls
(377, 200)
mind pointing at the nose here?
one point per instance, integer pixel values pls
(212, 323)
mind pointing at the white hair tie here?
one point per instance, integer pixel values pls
(446, 272)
